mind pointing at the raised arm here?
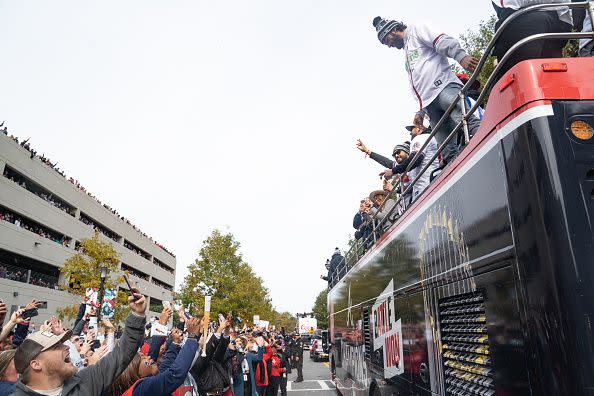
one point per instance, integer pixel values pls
(101, 375)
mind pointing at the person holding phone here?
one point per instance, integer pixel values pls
(44, 365)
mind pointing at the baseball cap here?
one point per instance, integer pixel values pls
(34, 344)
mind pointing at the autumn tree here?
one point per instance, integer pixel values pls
(475, 43)
(320, 309)
(221, 273)
(83, 271)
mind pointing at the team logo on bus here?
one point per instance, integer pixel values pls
(387, 333)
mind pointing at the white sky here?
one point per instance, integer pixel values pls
(241, 115)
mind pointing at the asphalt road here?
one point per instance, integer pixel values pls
(316, 376)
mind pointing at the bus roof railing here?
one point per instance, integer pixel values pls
(378, 227)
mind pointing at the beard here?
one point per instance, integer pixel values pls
(398, 42)
(62, 370)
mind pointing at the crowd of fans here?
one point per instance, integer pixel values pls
(25, 276)
(30, 226)
(88, 221)
(190, 358)
(47, 197)
(26, 145)
(435, 86)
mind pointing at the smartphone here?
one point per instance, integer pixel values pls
(167, 304)
(29, 313)
(96, 344)
(130, 287)
(42, 305)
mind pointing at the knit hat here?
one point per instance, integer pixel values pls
(402, 147)
(385, 26)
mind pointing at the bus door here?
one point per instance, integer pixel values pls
(417, 338)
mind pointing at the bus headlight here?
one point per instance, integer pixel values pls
(581, 130)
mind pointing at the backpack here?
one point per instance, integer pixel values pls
(213, 379)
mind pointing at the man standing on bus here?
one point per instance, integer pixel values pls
(432, 81)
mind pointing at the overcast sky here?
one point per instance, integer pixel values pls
(240, 115)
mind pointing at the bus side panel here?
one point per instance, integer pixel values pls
(551, 210)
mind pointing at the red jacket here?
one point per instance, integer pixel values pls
(276, 369)
(263, 364)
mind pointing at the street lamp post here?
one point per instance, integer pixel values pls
(103, 271)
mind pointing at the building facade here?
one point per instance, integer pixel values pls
(44, 215)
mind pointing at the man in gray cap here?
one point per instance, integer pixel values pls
(433, 83)
(44, 365)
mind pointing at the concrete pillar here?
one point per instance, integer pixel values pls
(2, 164)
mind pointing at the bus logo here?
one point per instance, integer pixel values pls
(387, 333)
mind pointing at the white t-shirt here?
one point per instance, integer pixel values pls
(428, 71)
(563, 12)
(429, 151)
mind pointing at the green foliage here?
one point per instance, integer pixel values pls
(221, 272)
(83, 270)
(320, 309)
(475, 42)
(284, 319)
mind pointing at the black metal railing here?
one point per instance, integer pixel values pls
(359, 248)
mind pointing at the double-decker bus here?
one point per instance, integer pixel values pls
(485, 284)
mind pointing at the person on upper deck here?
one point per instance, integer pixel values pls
(419, 134)
(337, 261)
(382, 210)
(432, 81)
(587, 45)
(362, 222)
(400, 154)
(550, 20)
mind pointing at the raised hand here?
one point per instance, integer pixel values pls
(361, 146)
(97, 355)
(33, 304)
(469, 63)
(137, 302)
(193, 325)
(165, 315)
(3, 311)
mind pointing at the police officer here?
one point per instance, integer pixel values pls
(297, 352)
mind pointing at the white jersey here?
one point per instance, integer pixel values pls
(428, 71)
(563, 12)
(429, 151)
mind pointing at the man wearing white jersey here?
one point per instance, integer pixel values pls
(432, 81)
(552, 20)
(419, 135)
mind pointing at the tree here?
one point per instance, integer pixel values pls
(475, 43)
(320, 309)
(83, 271)
(221, 272)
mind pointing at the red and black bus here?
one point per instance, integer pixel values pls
(485, 285)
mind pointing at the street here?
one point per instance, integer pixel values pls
(316, 376)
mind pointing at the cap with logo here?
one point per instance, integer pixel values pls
(34, 344)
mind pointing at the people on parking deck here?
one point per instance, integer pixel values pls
(433, 83)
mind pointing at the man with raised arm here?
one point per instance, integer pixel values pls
(43, 361)
(433, 83)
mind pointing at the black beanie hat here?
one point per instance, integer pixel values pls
(385, 26)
